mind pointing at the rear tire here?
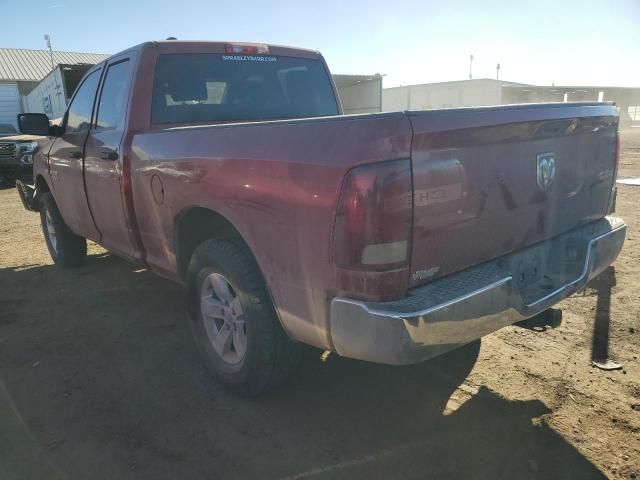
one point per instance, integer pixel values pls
(67, 249)
(233, 320)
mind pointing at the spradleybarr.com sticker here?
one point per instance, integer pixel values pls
(247, 58)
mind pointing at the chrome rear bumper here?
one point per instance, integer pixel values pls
(465, 306)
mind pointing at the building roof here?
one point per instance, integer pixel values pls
(577, 88)
(521, 86)
(475, 80)
(17, 64)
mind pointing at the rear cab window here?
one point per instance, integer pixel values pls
(211, 87)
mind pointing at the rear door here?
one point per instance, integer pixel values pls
(9, 103)
(104, 165)
(65, 159)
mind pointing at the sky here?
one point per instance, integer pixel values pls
(538, 41)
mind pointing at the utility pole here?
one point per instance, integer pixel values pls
(58, 89)
(470, 66)
(498, 72)
(47, 39)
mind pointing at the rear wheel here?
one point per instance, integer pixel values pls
(65, 247)
(233, 320)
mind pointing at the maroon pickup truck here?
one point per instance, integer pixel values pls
(388, 237)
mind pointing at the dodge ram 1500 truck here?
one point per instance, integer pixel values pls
(386, 237)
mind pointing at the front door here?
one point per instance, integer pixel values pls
(104, 162)
(66, 159)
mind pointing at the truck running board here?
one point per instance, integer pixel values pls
(27, 195)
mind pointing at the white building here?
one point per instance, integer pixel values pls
(21, 70)
(53, 93)
(487, 91)
(359, 93)
(463, 93)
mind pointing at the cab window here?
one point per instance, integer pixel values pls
(79, 114)
(111, 107)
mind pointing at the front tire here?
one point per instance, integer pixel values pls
(67, 249)
(233, 320)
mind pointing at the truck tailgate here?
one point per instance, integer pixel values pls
(490, 181)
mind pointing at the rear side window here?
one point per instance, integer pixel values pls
(79, 114)
(112, 99)
(203, 87)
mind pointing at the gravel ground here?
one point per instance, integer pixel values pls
(99, 379)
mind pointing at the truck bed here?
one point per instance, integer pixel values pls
(474, 180)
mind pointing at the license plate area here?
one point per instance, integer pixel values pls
(543, 269)
(528, 267)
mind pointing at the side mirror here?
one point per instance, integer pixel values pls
(34, 124)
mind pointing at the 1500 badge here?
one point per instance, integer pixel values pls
(424, 274)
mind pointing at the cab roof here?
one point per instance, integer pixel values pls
(202, 46)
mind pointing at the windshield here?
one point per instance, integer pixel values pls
(217, 88)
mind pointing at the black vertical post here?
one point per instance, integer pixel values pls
(600, 344)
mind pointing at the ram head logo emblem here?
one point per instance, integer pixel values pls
(546, 169)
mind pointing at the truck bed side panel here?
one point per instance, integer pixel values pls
(278, 183)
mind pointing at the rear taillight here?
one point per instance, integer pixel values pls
(614, 189)
(246, 48)
(374, 217)
(617, 154)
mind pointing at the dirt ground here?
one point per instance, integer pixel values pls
(99, 380)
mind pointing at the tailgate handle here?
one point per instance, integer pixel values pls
(109, 155)
(76, 154)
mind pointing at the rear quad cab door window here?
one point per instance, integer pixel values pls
(202, 87)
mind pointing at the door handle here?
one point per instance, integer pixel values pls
(75, 154)
(109, 155)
